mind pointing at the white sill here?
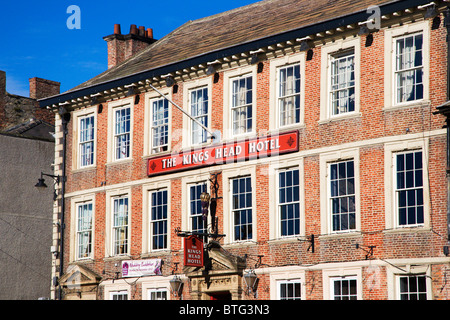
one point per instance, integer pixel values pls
(345, 116)
(404, 105)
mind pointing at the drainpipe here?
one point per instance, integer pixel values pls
(447, 25)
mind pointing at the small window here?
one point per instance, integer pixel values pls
(289, 290)
(158, 219)
(119, 295)
(242, 208)
(84, 230)
(344, 288)
(160, 125)
(409, 68)
(157, 294)
(289, 202)
(409, 188)
(289, 95)
(86, 141)
(413, 287)
(195, 207)
(342, 82)
(199, 102)
(241, 105)
(120, 225)
(342, 195)
(122, 133)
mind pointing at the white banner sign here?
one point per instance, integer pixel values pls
(137, 268)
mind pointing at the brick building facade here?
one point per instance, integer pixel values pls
(330, 171)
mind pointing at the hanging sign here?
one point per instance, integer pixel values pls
(137, 268)
(231, 152)
(193, 251)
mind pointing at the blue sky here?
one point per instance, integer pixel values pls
(37, 42)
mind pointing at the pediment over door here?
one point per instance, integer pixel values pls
(79, 282)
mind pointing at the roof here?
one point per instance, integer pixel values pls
(32, 129)
(208, 38)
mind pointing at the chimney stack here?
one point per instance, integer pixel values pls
(42, 88)
(122, 47)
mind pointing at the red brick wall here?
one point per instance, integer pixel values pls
(374, 122)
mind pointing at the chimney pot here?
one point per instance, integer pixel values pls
(142, 31)
(117, 29)
(149, 33)
(133, 29)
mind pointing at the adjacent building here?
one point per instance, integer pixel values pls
(314, 127)
(27, 144)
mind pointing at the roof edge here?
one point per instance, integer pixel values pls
(354, 17)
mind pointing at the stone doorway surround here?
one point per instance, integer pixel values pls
(80, 283)
(222, 273)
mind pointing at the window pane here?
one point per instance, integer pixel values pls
(342, 195)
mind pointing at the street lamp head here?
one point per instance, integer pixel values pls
(176, 285)
(251, 280)
(204, 198)
(41, 184)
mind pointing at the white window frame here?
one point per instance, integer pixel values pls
(397, 71)
(74, 203)
(112, 107)
(158, 183)
(229, 76)
(325, 203)
(391, 35)
(188, 124)
(327, 53)
(198, 215)
(287, 162)
(118, 135)
(165, 120)
(109, 223)
(86, 142)
(155, 283)
(413, 268)
(286, 274)
(336, 58)
(119, 286)
(89, 231)
(186, 183)
(117, 227)
(275, 66)
(390, 151)
(156, 292)
(331, 197)
(148, 118)
(341, 271)
(395, 176)
(121, 293)
(228, 222)
(333, 281)
(234, 211)
(76, 159)
(288, 282)
(166, 220)
(279, 204)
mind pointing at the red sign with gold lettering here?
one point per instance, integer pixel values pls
(222, 153)
(193, 251)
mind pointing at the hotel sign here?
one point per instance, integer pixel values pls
(232, 152)
(193, 251)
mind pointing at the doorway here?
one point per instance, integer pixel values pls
(220, 295)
